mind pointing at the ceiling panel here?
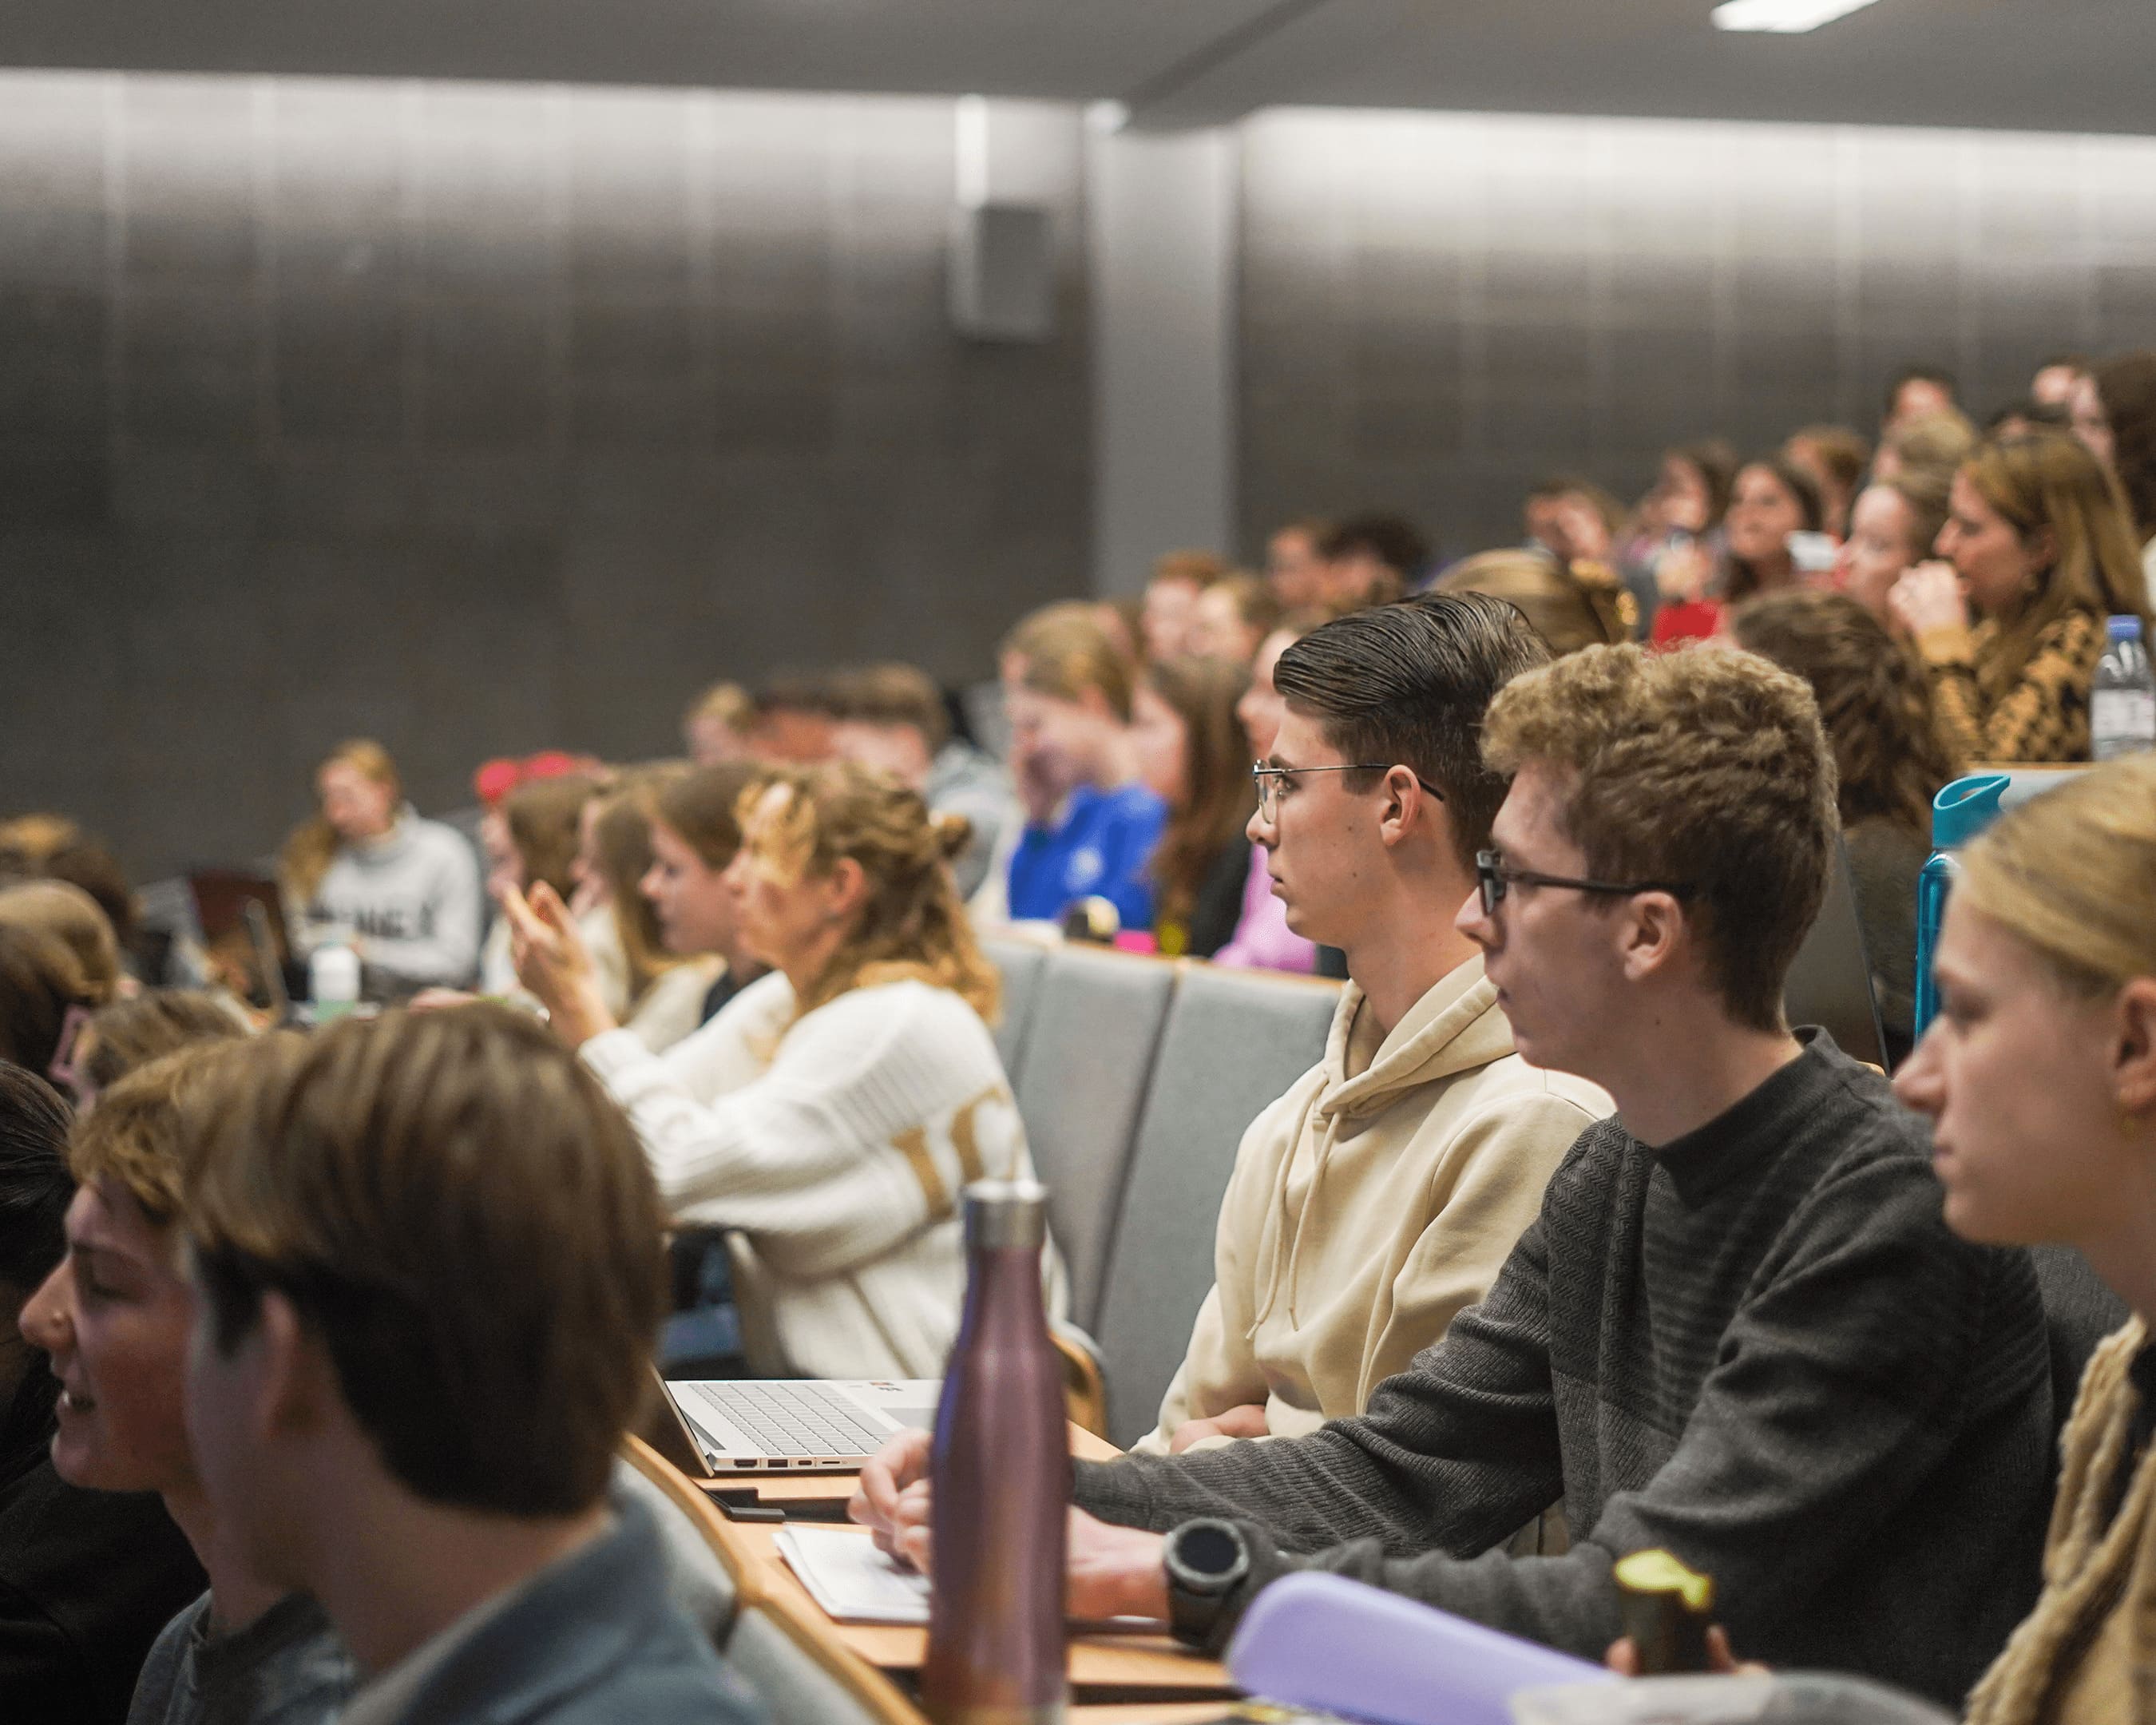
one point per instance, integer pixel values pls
(1071, 49)
(2072, 65)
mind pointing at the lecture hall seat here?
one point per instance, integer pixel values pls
(1233, 1043)
(1079, 1082)
(1021, 964)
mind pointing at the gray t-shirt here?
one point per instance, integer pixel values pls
(287, 1667)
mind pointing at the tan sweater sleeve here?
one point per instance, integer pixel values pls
(2045, 716)
(1484, 1192)
(1219, 1370)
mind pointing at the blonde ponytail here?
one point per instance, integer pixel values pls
(911, 926)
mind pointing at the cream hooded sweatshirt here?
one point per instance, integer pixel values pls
(1371, 1203)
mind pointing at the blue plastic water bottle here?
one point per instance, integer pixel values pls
(1959, 812)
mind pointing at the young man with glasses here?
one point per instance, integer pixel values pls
(1377, 1198)
(1739, 1330)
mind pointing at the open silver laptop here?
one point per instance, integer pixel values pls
(736, 1425)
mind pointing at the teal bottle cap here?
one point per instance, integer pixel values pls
(1965, 808)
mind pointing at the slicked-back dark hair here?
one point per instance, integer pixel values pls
(1408, 684)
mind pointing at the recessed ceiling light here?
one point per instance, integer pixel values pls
(1787, 17)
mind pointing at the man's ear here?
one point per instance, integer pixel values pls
(2134, 1047)
(295, 1379)
(1650, 931)
(1407, 807)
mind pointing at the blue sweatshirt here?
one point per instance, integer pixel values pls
(1101, 849)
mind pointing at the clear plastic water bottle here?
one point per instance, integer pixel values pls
(333, 980)
(1960, 811)
(2122, 701)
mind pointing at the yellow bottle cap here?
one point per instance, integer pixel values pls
(1658, 1571)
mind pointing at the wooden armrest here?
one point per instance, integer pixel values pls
(1084, 1391)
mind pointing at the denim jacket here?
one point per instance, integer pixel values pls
(593, 1639)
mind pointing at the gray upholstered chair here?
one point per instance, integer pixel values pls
(806, 1675)
(1233, 1042)
(780, 1644)
(1022, 964)
(700, 1584)
(1080, 1081)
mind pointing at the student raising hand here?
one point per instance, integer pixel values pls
(553, 962)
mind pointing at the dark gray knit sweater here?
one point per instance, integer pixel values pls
(1759, 1347)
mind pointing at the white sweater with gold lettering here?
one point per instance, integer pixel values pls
(836, 1148)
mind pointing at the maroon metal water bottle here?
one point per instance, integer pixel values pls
(1001, 1474)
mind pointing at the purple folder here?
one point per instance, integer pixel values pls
(1324, 1642)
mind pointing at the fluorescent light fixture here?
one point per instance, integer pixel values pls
(970, 151)
(1785, 18)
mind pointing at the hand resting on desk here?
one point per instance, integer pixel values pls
(1246, 1421)
(1114, 1572)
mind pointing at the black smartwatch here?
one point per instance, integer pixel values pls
(1204, 1559)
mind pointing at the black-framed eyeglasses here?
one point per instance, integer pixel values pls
(1270, 780)
(1493, 877)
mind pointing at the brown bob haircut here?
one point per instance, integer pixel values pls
(69, 914)
(128, 1033)
(1064, 650)
(1708, 766)
(465, 1219)
(1407, 683)
(543, 816)
(1216, 806)
(892, 696)
(39, 980)
(703, 805)
(1873, 699)
(51, 847)
(143, 1130)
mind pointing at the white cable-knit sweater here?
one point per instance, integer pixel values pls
(838, 1148)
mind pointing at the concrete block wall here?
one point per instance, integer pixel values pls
(485, 418)
(1436, 309)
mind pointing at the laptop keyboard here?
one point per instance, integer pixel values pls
(784, 1420)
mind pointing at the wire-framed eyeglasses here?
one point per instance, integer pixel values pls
(1270, 781)
(1493, 875)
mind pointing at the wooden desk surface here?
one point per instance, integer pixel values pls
(1146, 1670)
(1124, 1667)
